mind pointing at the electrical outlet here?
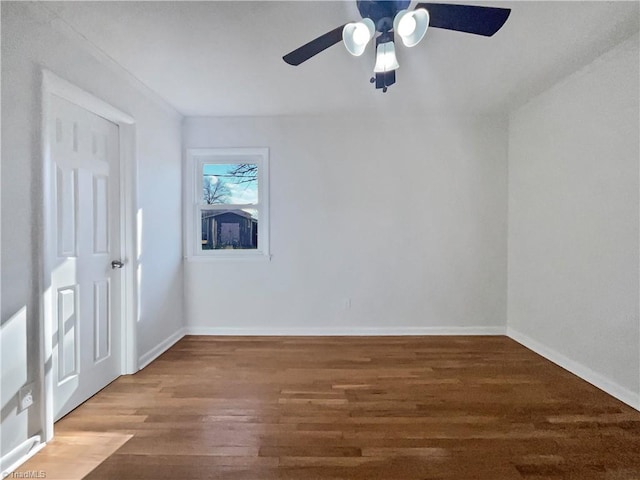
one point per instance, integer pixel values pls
(25, 397)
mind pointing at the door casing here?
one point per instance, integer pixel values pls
(55, 85)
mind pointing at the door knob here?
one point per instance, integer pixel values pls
(116, 264)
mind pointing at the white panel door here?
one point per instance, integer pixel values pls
(85, 288)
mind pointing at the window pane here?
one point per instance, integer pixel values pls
(230, 183)
(230, 229)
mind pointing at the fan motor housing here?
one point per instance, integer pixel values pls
(382, 12)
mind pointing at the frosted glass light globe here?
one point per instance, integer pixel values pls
(406, 26)
(361, 34)
(386, 58)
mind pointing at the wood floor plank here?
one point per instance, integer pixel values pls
(329, 408)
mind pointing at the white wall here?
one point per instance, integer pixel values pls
(573, 222)
(31, 41)
(405, 217)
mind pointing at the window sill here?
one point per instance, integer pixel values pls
(227, 256)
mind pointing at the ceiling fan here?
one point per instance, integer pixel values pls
(386, 18)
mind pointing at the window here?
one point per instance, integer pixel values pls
(227, 198)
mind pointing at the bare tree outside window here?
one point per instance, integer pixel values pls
(245, 172)
(215, 191)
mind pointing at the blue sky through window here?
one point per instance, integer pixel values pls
(239, 189)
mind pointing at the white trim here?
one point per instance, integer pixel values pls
(31, 446)
(594, 378)
(159, 349)
(74, 94)
(341, 331)
(192, 187)
(231, 256)
(54, 85)
(129, 250)
(45, 266)
(637, 37)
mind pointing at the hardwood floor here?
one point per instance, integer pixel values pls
(392, 408)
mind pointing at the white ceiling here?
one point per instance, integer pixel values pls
(225, 58)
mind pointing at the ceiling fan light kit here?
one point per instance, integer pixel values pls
(356, 36)
(385, 58)
(411, 25)
(385, 18)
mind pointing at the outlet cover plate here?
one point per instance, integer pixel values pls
(25, 397)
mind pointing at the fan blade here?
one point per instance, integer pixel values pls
(466, 18)
(314, 47)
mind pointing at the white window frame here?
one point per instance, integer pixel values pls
(196, 159)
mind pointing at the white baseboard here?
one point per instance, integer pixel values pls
(23, 452)
(603, 383)
(159, 349)
(345, 331)
(163, 346)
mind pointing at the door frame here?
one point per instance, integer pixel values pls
(55, 85)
